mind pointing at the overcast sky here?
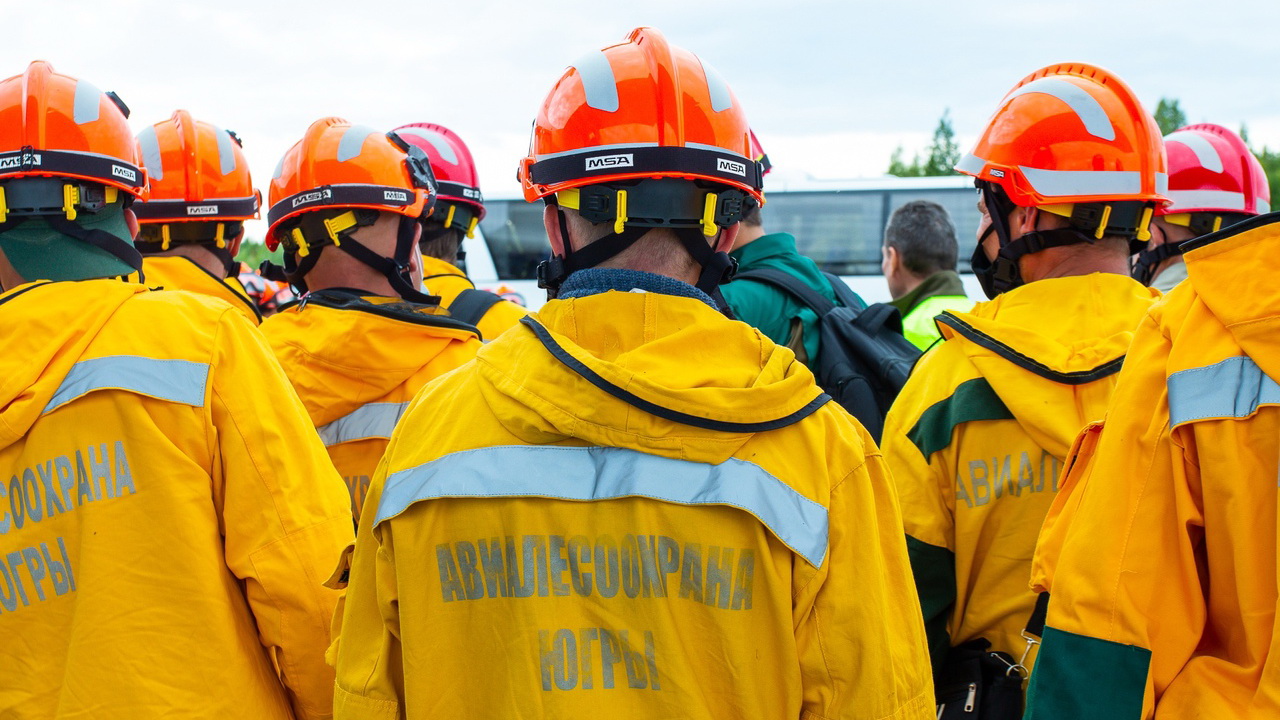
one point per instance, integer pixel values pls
(831, 87)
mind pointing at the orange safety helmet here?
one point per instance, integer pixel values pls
(359, 172)
(66, 153)
(53, 125)
(1070, 139)
(645, 135)
(198, 172)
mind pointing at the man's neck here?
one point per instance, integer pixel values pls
(200, 255)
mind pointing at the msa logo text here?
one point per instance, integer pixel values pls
(124, 172)
(399, 196)
(997, 173)
(312, 197)
(202, 209)
(22, 160)
(471, 193)
(603, 162)
(731, 166)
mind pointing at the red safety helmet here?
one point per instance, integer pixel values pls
(1212, 170)
(359, 172)
(1214, 182)
(459, 203)
(643, 134)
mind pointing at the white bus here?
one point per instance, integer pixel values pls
(840, 224)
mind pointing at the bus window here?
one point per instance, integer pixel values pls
(516, 239)
(839, 230)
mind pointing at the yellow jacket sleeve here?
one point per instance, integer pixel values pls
(369, 673)
(1127, 609)
(284, 512)
(848, 672)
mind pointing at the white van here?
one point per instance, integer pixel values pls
(840, 224)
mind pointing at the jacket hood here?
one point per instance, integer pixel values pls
(1051, 349)
(47, 328)
(665, 374)
(341, 350)
(1233, 272)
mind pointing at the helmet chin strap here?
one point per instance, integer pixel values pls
(318, 233)
(1004, 273)
(717, 267)
(1146, 262)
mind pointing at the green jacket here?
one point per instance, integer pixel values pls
(770, 310)
(939, 292)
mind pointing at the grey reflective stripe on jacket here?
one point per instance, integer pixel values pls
(178, 381)
(373, 420)
(1231, 388)
(598, 473)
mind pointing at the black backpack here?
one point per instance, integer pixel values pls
(863, 359)
(471, 305)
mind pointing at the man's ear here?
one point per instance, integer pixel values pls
(551, 221)
(234, 245)
(727, 238)
(131, 222)
(1030, 218)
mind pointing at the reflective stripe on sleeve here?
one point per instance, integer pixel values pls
(1232, 388)
(374, 420)
(596, 473)
(179, 381)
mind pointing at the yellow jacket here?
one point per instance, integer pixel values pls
(167, 519)
(356, 362)
(684, 561)
(447, 281)
(1163, 598)
(978, 435)
(175, 272)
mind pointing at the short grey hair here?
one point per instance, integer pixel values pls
(923, 234)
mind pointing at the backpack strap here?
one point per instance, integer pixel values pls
(472, 304)
(792, 285)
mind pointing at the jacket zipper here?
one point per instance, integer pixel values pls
(972, 698)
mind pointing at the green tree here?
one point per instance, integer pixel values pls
(252, 253)
(1270, 160)
(903, 169)
(944, 151)
(1169, 115)
(943, 154)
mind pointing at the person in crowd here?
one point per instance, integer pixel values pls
(1214, 182)
(778, 314)
(364, 337)
(919, 264)
(1069, 170)
(192, 222)
(1160, 554)
(459, 209)
(171, 515)
(633, 506)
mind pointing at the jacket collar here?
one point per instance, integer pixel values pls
(944, 282)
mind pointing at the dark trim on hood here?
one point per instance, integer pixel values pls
(1078, 377)
(403, 310)
(591, 376)
(25, 290)
(1230, 231)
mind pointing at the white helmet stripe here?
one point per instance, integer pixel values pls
(1262, 206)
(1206, 154)
(226, 155)
(352, 141)
(437, 141)
(1067, 183)
(721, 99)
(1187, 200)
(598, 82)
(150, 147)
(1085, 106)
(87, 103)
